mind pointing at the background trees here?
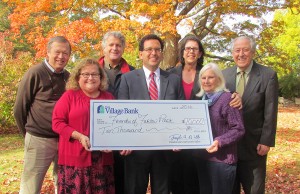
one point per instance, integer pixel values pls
(27, 25)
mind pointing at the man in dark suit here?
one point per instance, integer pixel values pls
(260, 104)
(136, 85)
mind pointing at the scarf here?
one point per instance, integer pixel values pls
(212, 97)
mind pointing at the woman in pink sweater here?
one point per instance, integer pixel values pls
(81, 170)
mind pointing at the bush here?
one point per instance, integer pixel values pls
(12, 70)
(289, 85)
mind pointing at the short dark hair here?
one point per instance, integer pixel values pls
(182, 47)
(150, 37)
(60, 39)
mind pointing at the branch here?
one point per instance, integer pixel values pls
(218, 57)
(189, 7)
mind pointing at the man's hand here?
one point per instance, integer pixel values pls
(236, 101)
(262, 149)
(125, 152)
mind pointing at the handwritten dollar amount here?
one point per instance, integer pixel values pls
(194, 121)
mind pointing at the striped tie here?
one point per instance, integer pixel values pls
(153, 88)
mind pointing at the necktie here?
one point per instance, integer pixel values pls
(241, 85)
(153, 88)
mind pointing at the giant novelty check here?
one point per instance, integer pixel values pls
(149, 124)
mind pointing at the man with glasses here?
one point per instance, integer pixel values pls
(258, 86)
(149, 83)
(113, 45)
(38, 91)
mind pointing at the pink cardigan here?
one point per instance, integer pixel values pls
(72, 112)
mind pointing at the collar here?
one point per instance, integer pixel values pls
(247, 71)
(51, 68)
(123, 63)
(148, 72)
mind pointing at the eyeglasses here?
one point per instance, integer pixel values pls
(150, 50)
(87, 75)
(189, 49)
(244, 50)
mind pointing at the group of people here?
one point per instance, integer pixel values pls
(52, 112)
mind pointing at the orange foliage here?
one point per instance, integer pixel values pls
(85, 22)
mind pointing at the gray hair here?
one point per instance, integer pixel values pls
(115, 34)
(215, 68)
(251, 40)
(60, 39)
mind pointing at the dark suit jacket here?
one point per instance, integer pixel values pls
(134, 87)
(260, 105)
(178, 70)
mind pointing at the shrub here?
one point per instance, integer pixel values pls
(12, 70)
(289, 85)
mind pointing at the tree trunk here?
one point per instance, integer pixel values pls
(170, 51)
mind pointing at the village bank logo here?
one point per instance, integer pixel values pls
(112, 110)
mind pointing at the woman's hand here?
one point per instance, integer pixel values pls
(214, 147)
(85, 142)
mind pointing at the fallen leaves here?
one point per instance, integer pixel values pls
(283, 170)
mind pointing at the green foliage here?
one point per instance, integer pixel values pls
(289, 85)
(132, 58)
(279, 45)
(12, 68)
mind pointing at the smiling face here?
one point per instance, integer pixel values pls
(114, 49)
(151, 55)
(90, 84)
(209, 81)
(191, 53)
(242, 53)
(58, 55)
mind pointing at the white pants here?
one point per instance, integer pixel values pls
(39, 153)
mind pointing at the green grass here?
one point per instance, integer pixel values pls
(11, 161)
(11, 165)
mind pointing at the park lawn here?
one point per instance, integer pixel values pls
(11, 165)
(283, 171)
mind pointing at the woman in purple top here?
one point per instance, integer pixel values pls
(216, 166)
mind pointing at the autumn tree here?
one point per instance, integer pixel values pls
(85, 21)
(280, 48)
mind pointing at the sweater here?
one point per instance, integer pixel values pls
(38, 92)
(227, 127)
(72, 112)
(114, 77)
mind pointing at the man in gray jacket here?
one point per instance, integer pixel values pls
(258, 86)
